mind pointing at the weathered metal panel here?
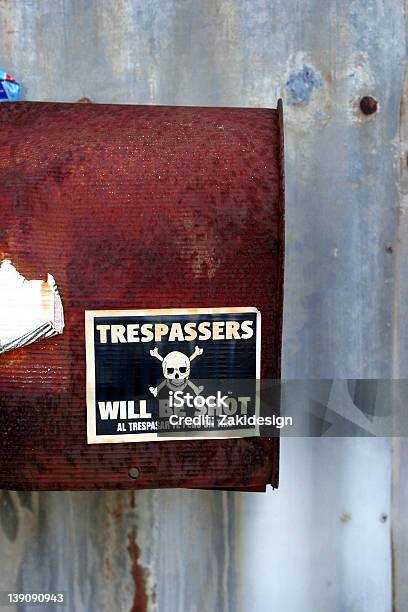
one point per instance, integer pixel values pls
(400, 353)
(342, 172)
(331, 546)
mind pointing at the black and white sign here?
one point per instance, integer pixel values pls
(171, 374)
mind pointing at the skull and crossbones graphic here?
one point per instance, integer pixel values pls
(176, 371)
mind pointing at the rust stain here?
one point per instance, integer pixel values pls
(115, 514)
(109, 569)
(140, 600)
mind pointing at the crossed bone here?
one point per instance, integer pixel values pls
(155, 390)
(197, 351)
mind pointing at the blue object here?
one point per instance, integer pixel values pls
(9, 88)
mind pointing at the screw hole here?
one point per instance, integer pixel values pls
(134, 472)
(383, 517)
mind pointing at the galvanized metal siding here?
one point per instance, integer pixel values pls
(344, 309)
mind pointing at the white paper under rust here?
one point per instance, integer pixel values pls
(30, 310)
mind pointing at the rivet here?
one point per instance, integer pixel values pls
(134, 472)
(368, 105)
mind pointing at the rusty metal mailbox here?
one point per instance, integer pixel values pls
(144, 213)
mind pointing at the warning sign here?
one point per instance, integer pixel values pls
(171, 374)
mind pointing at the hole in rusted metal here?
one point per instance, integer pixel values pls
(134, 472)
(368, 105)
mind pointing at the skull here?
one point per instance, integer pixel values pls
(176, 368)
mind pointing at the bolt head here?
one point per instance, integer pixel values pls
(368, 105)
(134, 472)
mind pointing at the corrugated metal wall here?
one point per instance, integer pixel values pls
(319, 543)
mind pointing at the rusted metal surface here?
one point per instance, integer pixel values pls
(134, 207)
